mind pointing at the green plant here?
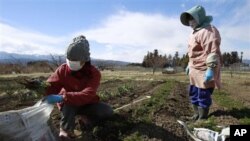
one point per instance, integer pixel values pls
(40, 89)
(105, 95)
(210, 123)
(223, 99)
(234, 107)
(245, 121)
(147, 109)
(25, 95)
(124, 89)
(133, 137)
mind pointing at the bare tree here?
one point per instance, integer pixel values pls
(17, 64)
(157, 62)
(154, 60)
(56, 61)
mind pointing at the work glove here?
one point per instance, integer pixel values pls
(209, 74)
(187, 70)
(54, 98)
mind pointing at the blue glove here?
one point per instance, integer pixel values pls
(187, 70)
(54, 98)
(209, 74)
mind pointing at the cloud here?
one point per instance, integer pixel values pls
(239, 32)
(236, 39)
(131, 35)
(128, 36)
(23, 41)
(235, 31)
(241, 13)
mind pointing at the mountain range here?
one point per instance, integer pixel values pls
(6, 57)
(246, 61)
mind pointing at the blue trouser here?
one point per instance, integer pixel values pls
(94, 112)
(200, 97)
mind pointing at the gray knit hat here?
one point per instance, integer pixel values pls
(79, 49)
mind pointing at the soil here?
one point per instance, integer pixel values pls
(162, 127)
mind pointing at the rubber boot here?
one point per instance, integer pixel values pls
(203, 113)
(196, 113)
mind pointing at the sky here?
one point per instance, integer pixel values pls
(123, 30)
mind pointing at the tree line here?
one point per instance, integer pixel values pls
(155, 60)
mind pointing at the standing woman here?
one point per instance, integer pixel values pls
(204, 59)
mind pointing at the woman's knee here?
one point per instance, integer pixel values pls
(205, 99)
(105, 111)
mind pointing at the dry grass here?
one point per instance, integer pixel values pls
(31, 75)
(238, 86)
(142, 75)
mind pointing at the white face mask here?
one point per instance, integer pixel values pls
(74, 65)
(193, 23)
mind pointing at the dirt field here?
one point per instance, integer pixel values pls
(154, 119)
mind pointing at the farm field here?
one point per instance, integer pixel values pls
(153, 119)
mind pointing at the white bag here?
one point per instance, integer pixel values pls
(28, 124)
(203, 134)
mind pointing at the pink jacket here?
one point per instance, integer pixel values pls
(201, 43)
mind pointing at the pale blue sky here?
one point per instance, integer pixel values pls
(117, 29)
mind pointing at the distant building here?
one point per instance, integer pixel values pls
(168, 70)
